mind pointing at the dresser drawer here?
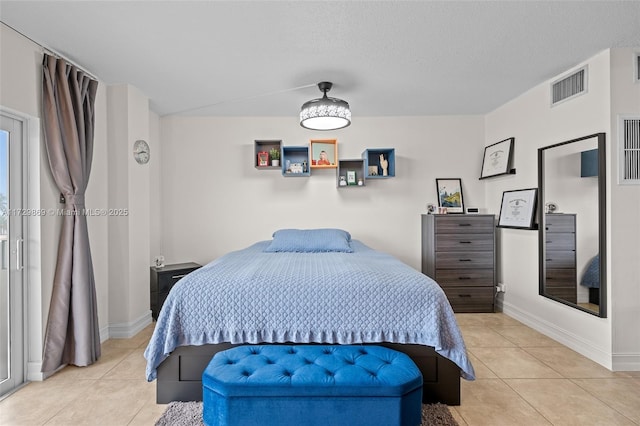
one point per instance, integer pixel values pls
(560, 223)
(464, 259)
(561, 283)
(470, 299)
(560, 278)
(560, 241)
(560, 259)
(464, 242)
(445, 224)
(464, 277)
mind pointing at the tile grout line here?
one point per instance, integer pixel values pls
(598, 398)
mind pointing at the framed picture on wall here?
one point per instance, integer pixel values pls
(324, 153)
(518, 209)
(450, 195)
(498, 159)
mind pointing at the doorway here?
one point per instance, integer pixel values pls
(12, 215)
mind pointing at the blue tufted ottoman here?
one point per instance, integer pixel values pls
(311, 385)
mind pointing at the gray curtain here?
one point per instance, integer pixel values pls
(72, 335)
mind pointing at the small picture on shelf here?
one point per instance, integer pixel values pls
(373, 170)
(324, 153)
(351, 177)
(263, 158)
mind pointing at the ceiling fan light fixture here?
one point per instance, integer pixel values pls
(325, 113)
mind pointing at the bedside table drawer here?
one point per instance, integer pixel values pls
(162, 280)
(166, 281)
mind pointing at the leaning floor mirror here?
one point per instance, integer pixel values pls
(572, 241)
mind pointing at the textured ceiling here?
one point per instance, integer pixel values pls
(239, 58)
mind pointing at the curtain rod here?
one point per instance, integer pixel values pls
(52, 52)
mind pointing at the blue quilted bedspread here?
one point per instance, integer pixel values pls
(249, 296)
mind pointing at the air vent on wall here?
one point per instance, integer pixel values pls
(629, 165)
(569, 87)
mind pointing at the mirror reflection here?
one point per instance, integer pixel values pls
(572, 241)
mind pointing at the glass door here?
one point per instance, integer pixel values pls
(12, 360)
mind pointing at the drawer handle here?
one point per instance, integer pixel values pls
(464, 224)
(464, 260)
(548, 260)
(465, 242)
(464, 278)
(464, 295)
(549, 241)
(175, 277)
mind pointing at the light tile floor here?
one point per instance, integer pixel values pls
(523, 378)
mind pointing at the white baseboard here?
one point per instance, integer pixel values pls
(130, 329)
(33, 371)
(560, 335)
(104, 334)
(626, 362)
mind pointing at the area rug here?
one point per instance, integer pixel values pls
(190, 414)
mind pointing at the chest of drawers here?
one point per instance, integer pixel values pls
(560, 256)
(458, 252)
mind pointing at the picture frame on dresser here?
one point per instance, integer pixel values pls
(518, 209)
(498, 159)
(450, 195)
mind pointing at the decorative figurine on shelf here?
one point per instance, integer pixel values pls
(550, 207)
(343, 181)
(431, 208)
(384, 164)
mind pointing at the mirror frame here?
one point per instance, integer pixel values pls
(602, 222)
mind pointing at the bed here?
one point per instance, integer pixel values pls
(591, 279)
(306, 286)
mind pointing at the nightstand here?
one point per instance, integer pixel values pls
(162, 279)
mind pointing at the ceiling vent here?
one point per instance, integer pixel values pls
(569, 87)
(629, 165)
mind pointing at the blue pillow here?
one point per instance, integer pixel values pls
(310, 241)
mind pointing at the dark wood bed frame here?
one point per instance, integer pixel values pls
(180, 375)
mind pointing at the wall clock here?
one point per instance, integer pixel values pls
(141, 151)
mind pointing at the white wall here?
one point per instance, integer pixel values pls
(535, 124)
(129, 235)
(155, 184)
(214, 200)
(624, 226)
(20, 90)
